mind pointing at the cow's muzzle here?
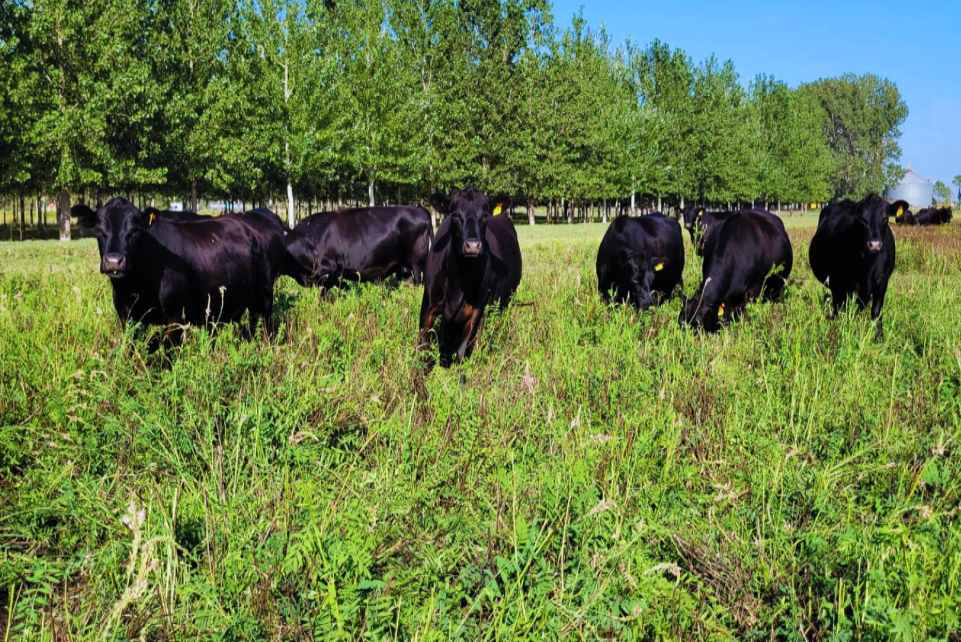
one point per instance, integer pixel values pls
(473, 248)
(114, 265)
(874, 247)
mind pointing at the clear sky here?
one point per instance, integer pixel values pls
(915, 44)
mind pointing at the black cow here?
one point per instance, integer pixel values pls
(697, 221)
(745, 255)
(474, 262)
(852, 252)
(363, 244)
(271, 232)
(200, 272)
(640, 260)
(927, 216)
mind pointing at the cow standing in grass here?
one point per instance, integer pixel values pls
(697, 221)
(746, 255)
(640, 260)
(362, 244)
(853, 252)
(202, 272)
(475, 262)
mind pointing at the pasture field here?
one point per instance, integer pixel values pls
(590, 473)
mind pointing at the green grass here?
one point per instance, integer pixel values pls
(589, 473)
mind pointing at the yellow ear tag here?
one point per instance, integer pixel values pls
(900, 212)
(497, 210)
(700, 212)
(153, 217)
(720, 311)
(659, 266)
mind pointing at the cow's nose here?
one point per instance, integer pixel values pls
(113, 262)
(874, 247)
(472, 247)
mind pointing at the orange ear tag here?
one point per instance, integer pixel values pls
(659, 266)
(497, 210)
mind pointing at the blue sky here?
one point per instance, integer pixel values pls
(915, 44)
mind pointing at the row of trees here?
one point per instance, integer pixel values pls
(391, 100)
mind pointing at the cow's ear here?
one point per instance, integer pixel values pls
(500, 205)
(86, 216)
(897, 209)
(441, 203)
(658, 263)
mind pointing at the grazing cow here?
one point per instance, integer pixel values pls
(640, 260)
(745, 255)
(927, 216)
(200, 272)
(698, 221)
(475, 262)
(852, 252)
(363, 244)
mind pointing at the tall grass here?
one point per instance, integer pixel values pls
(589, 473)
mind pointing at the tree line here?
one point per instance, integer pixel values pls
(313, 103)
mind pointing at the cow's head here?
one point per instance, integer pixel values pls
(638, 273)
(692, 216)
(696, 313)
(873, 213)
(118, 225)
(469, 211)
(303, 263)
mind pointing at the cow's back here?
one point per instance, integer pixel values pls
(209, 270)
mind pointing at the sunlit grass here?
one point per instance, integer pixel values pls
(589, 473)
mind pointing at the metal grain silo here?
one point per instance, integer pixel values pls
(915, 190)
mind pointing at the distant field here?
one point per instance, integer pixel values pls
(590, 474)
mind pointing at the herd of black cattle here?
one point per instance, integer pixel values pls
(176, 268)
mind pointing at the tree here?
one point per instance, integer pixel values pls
(194, 35)
(942, 193)
(861, 118)
(794, 159)
(665, 83)
(956, 181)
(96, 125)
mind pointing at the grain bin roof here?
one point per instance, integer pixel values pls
(913, 178)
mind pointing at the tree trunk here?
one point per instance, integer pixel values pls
(370, 189)
(193, 195)
(604, 213)
(39, 215)
(290, 206)
(23, 216)
(63, 213)
(530, 211)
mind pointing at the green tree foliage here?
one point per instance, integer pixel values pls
(942, 193)
(793, 161)
(861, 118)
(390, 100)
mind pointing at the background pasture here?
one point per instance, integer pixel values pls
(589, 473)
